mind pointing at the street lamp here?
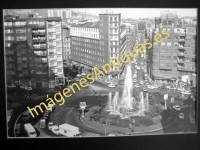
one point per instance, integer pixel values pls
(107, 123)
(82, 106)
(165, 98)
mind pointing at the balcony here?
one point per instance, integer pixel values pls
(180, 61)
(40, 54)
(40, 61)
(50, 25)
(181, 40)
(39, 40)
(184, 54)
(10, 60)
(182, 33)
(185, 69)
(38, 33)
(36, 26)
(181, 47)
(51, 32)
(39, 47)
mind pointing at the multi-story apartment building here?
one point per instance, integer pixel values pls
(25, 48)
(63, 13)
(85, 44)
(175, 56)
(66, 43)
(94, 44)
(129, 37)
(54, 47)
(112, 36)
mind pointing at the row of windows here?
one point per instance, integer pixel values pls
(18, 38)
(84, 29)
(113, 19)
(85, 34)
(89, 51)
(166, 43)
(85, 40)
(85, 45)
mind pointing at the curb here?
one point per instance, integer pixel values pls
(134, 132)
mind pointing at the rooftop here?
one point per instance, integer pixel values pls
(53, 18)
(87, 25)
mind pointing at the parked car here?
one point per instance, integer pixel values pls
(192, 118)
(111, 85)
(134, 80)
(50, 125)
(83, 74)
(158, 93)
(18, 129)
(55, 130)
(144, 90)
(138, 67)
(26, 115)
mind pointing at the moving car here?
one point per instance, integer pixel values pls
(46, 114)
(51, 107)
(134, 80)
(172, 88)
(83, 74)
(138, 67)
(111, 85)
(141, 82)
(137, 85)
(50, 125)
(176, 107)
(42, 123)
(78, 75)
(135, 76)
(181, 115)
(144, 90)
(76, 79)
(135, 71)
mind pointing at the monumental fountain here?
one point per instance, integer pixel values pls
(130, 104)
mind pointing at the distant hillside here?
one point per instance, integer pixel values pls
(41, 12)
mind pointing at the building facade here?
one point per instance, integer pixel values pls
(95, 43)
(25, 48)
(54, 47)
(85, 44)
(175, 56)
(63, 13)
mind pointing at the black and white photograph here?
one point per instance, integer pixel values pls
(100, 72)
